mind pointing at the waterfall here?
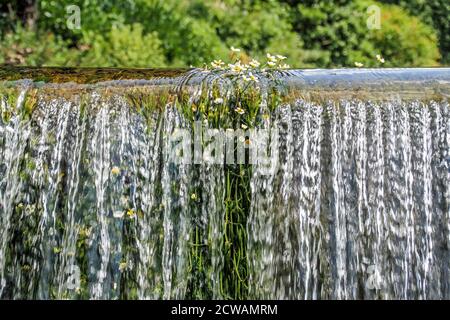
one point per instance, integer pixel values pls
(347, 196)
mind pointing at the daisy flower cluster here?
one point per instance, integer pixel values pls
(248, 71)
(247, 75)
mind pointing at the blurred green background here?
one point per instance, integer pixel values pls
(183, 33)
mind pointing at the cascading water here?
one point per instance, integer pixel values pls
(354, 202)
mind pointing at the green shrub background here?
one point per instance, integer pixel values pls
(183, 33)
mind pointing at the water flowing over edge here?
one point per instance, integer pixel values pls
(354, 202)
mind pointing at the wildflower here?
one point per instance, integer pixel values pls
(115, 171)
(123, 266)
(124, 201)
(284, 66)
(233, 49)
(20, 205)
(271, 58)
(26, 267)
(243, 126)
(254, 63)
(131, 213)
(252, 77)
(56, 250)
(271, 64)
(118, 214)
(218, 101)
(249, 78)
(237, 67)
(239, 110)
(194, 196)
(280, 57)
(380, 58)
(217, 64)
(247, 141)
(85, 232)
(194, 108)
(358, 64)
(30, 209)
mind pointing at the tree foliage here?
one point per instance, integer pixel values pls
(124, 45)
(149, 33)
(435, 13)
(339, 29)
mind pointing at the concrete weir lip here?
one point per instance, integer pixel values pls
(320, 85)
(85, 75)
(378, 84)
(312, 78)
(353, 78)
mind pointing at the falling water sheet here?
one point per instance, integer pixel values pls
(355, 204)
